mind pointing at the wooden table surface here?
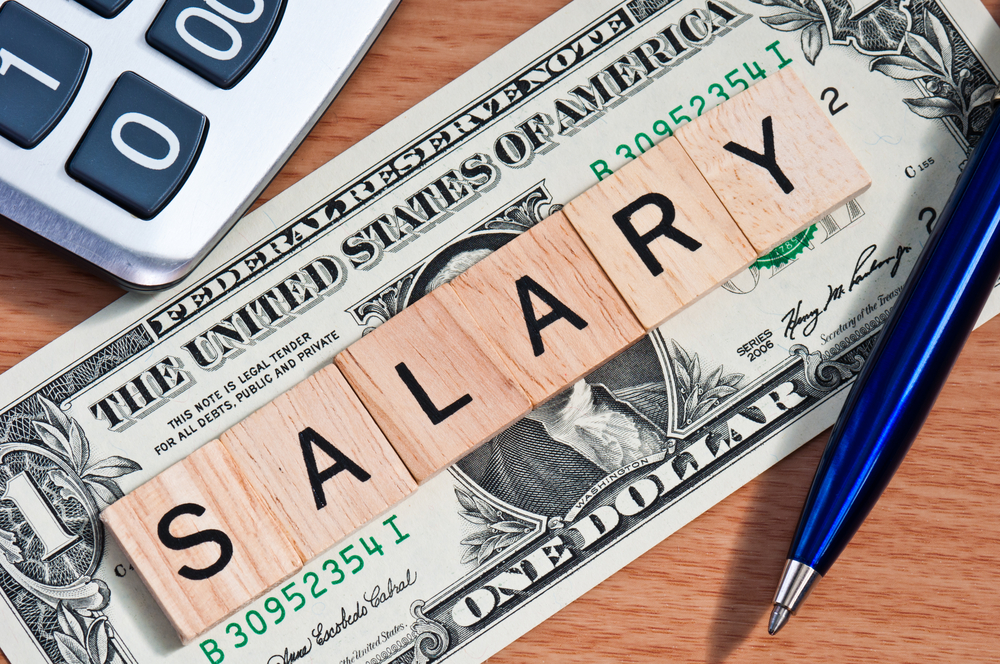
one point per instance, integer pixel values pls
(920, 581)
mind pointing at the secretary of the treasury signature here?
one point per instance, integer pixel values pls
(864, 267)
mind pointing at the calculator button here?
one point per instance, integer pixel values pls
(220, 40)
(41, 68)
(140, 147)
(105, 8)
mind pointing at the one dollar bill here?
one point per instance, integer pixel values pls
(583, 485)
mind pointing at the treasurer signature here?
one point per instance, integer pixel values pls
(876, 264)
(290, 657)
(805, 320)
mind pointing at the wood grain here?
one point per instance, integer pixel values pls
(268, 448)
(468, 393)
(917, 584)
(774, 159)
(216, 500)
(594, 326)
(691, 243)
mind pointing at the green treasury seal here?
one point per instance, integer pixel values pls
(787, 251)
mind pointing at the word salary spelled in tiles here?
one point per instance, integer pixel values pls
(218, 529)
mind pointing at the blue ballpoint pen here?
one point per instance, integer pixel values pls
(935, 314)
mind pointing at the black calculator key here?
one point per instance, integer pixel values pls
(105, 8)
(220, 40)
(41, 68)
(140, 147)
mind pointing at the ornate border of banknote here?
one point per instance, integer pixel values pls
(563, 498)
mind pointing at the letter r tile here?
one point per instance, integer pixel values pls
(319, 461)
(548, 307)
(202, 540)
(433, 382)
(774, 159)
(660, 233)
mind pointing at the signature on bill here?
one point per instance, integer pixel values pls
(805, 320)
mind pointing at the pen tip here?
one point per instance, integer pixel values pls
(779, 616)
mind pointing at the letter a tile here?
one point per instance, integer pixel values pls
(433, 382)
(202, 540)
(319, 461)
(548, 307)
(774, 159)
(660, 233)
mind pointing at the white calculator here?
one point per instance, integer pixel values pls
(133, 133)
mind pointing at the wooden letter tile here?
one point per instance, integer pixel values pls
(548, 307)
(319, 461)
(660, 233)
(433, 382)
(202, 540)
(774, 159)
